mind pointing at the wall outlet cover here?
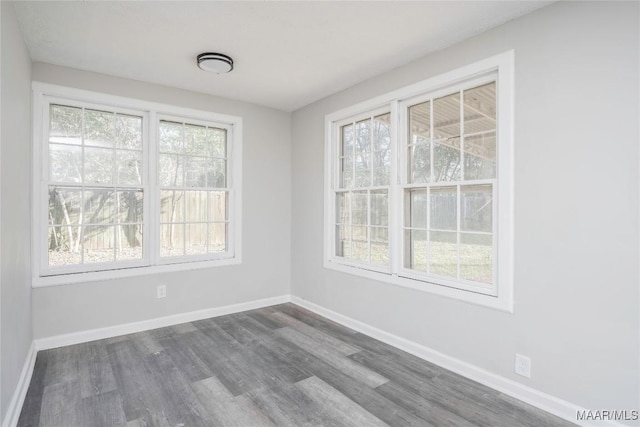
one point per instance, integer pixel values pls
(523, 365)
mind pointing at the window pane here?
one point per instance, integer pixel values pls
(480, 156)
(129, 132)
(419, 123)
(195, 171)
(419, 164)
(216, 175)
(359, 208)
(129, 242)
(172, 206)
(195, 141)
(99, 207)
(363, 169)
(476, 257)
(170, 170)
(360, 233)
(347, 140)
(446, 160)
(363, 153)
(218, 206)
(217, 237)
(195, 206)
(380, 253)
(346, 171)
(217, 140)
(64, 206)
(62, 246)
(98, 166)
(171, 137)
(99, 128)
(416, 249)
(343, 204)
(476, 203)
(98, 243)
(65, 163)
(130, 206)
(346, 157)
(416, 211)
(171, 240)
(480, 109)
(443, 253)
(379, 207)
(360, 250)
(196, 243)
(446, 117)
(381, 150)
(443, 208)
(129, 164)
(381, 167)
(379, 234)
(65, 125)
(343, 244)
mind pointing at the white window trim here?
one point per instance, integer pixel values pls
(151, 263)
(502, 299)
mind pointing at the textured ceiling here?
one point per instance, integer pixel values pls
(287, 54)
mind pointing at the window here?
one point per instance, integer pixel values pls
(362, 194)
(192, 175)
(125, 187)
(419, 186)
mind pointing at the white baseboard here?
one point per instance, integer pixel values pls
(15, 406)
(544, 401)
(160, 322)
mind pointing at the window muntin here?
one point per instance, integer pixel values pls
(457, 160)
(97, 194)
(192, 175)
(362, 197)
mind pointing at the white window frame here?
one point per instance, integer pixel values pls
(498, 296)
(45, 94)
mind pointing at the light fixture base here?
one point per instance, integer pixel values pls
(215, 62)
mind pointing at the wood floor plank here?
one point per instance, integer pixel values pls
(101, 410)
(261, 317)
(393, 369)
(226, 410)
(136, 383)
(275, 366)
(364, 396)
(288, 406)
(182, 350)
(320, 337)
(347, 366)
(423, 408)
(321, 323)
(59, 404)
(337, 406)
(179, 403)
(95, 374)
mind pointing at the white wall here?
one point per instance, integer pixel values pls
(576, 211)
(15, 274)
(265, 269)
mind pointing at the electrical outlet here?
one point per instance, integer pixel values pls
(523, 365)
(161, 291)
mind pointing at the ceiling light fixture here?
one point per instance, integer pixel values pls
(215, 62)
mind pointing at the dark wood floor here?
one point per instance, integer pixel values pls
(278, 366)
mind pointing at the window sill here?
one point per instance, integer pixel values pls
(95, 276)
(499, 302)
